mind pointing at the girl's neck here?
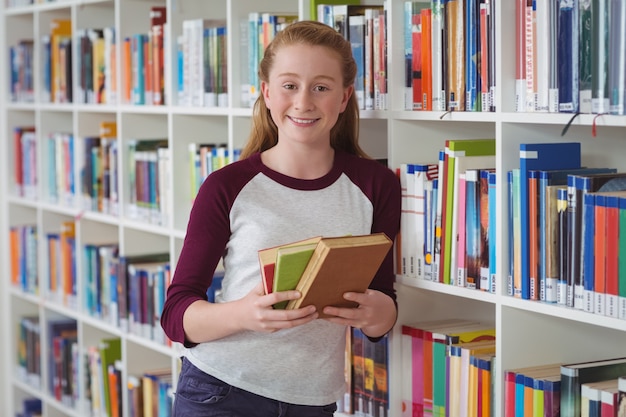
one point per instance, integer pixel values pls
(308, 165)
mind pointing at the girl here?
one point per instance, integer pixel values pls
(302, 174)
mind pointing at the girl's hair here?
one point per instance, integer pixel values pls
(345, 134)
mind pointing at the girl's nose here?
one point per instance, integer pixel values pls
(304, 100)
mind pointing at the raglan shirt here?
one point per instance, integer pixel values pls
(245, 207)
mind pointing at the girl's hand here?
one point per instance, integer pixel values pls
(256, 313)
(375, 315)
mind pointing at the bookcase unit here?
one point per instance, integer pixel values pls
(528, 332)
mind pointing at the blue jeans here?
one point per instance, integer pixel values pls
(201, 395)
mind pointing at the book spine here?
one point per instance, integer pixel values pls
(622, 257)
(491, 283)
(612, 251)
(568, 76)
(588, 255)
(472, 55)
(617, 58)
(600, 256)
(585, 60)
(561, 292)
(439, 102)
(599, 56)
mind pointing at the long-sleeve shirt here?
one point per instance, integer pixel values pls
(245, 207)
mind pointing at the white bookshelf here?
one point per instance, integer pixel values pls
(527, 332)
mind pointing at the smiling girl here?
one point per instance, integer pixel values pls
(302, 174)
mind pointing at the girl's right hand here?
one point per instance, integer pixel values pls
(257, 314)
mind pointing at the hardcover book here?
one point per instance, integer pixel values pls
(575, 374)
(539, 156)
(268, 257)
(336, 265)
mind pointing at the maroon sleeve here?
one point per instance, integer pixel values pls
(208, 231)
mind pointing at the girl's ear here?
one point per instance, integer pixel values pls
(347, 92)
(265, 90)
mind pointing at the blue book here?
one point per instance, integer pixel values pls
(547, 178)
(520, 380)
(540, 156)
(567, 55)
(578, 186)
(491, 287)
(356, 30)
(561, 290)
(472, 55)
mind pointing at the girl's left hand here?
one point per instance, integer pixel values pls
(375, 315)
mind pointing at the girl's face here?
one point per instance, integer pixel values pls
(305, 93)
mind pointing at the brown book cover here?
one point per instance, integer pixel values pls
(339, 265)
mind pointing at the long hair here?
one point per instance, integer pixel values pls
(345, 134)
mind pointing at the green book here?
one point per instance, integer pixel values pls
(110, 351)
(290, 264)
(456, 149)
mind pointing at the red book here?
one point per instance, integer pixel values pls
(600, 256)
(533, 234)
(416, 31)
(612, 253)
(427, 76)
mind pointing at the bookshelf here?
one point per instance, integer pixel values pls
(528, 332)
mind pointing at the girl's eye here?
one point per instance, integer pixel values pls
(289, 86)
(321, 88)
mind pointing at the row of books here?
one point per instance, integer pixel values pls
(564, 240)
(259, 32)
(581, 389)
(367, 368)
(204, 158)
(449, 52)
(21, 77)
(23, 257)
(127, 292)
(202, 64)
(570, 56)
(97, 189)
(447, 368)
(149, 393)
(365, 27)
(21, 3)
(446, 228)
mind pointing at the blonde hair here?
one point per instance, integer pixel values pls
(345, 134)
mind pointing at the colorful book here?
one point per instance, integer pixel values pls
(573, 375)
(455, 54)
(473, 230)
(355, 258)
(441, 342)
(456, 150)
(547, 223)
(578, 185)
(539, 156)
(290, 264)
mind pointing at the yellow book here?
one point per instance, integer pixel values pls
(60, 30)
